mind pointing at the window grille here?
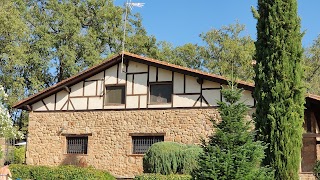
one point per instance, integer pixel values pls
(141, 144)
(77, 145)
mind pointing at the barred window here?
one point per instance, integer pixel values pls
(141, 144)
(77, 145)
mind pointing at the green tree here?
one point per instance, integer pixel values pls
(231, 152)
(45, 41)
(279, 90)
(186, 55)
(7, 130)
(312, 67)
(225, 46)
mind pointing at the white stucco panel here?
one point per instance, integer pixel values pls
(210, 84)
(212, 96)
(152, 74)
(90, 88)
(38, 106)
(62, 98)
(100, 88)
(164, 75)
(178, 83)
(115, 107)
(95, 103)
(78, 103)
(77, 89)
(140, 84)
(159, 105)
(247, 98)
(50, 102)
(111, 75)
(129, 84)
(184, 100)
(192, 86)
(143, 101)
(98, 76)
(121, 75)
(137, 67)
(132, 101)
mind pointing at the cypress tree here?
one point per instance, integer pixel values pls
(278, 87)
(232, 153)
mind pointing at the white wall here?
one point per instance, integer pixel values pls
(89, 93)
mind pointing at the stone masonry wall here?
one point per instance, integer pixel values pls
(110, 146)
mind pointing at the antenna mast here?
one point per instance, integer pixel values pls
(131, 5)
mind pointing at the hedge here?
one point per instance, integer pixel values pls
(171, 158)
(162, 177)
(60, 172)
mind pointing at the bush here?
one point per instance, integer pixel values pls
(19, 155)
(170, 157)
(162, 177)
(316, 169)
(60, 172)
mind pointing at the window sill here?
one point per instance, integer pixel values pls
(136, 155)
(159, 103)
(113, 104)
(65, 154)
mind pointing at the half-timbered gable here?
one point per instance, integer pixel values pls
(138, 83)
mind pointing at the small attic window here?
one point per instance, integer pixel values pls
(160, 93)
(115, 95)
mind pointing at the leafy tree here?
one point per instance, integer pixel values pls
(45, 41)
(186, 55)
(312, 67)
(226, 45)
(279, 90)
(7, 130)
(231, 152)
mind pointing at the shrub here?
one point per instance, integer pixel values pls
(170, 157)
(60, 172)
(316, 169)
(162, 177)
(190, 159)
(19, 154)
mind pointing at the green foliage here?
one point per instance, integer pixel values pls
(170, 157)
(226, 46)
(45, 41)
(60, 172)
(279, 90)
(312, 67)
(232, 153)
(19, 155)
(162, 177)
(316, 169)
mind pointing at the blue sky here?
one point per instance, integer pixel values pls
(181, 21)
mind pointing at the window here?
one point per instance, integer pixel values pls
(160, 93)
(141, 144)
(77, 145)
(115, 94)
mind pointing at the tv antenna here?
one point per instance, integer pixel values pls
(130, 5)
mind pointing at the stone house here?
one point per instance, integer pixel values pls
(108, 115)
